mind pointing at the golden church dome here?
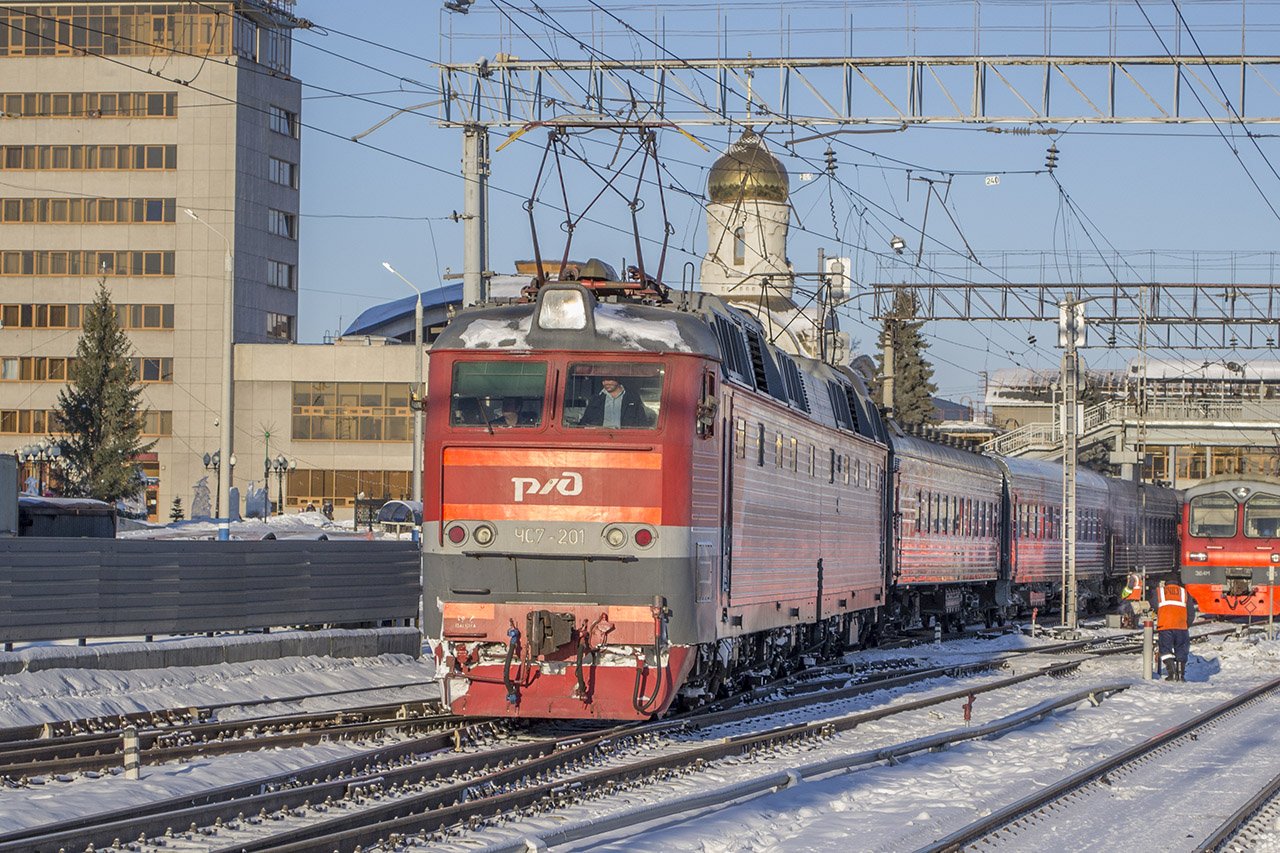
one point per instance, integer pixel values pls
(747, 171)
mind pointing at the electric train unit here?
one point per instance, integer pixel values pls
(631, 502)
(1231, 545)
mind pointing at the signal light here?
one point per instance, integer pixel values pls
(457, 534)
(644, 537)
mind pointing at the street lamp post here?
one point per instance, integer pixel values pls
(214, 463)
(38, 456)
(417, 384)
(224, 424)
(281, 465)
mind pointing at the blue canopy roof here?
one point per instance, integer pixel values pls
(373, 320)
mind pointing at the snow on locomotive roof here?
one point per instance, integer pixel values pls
(618, 326)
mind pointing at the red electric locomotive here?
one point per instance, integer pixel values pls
(1231, 545)
(626, 501)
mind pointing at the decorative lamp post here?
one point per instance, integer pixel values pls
(281, 465)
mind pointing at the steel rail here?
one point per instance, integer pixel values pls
(160, 718)
(787, 778)
(245, 740)
(1232, 826)
(1004, 816)
(509, 789)
(331, 778)
(22, 756)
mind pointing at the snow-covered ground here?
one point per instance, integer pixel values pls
(301, 524)
(79, 693)
(904, 807)
(877, 807)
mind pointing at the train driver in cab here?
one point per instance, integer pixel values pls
(615, 407)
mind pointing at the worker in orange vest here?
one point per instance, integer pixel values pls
(1172, 619)
(1132, 600)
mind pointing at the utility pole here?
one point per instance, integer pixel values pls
(475, 227)
(886, 384)
(1070, 336)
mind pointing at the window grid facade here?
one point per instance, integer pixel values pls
(351, 411)
(89, 158)
(58, 316)
(342, 487)
(134, 29)
(38, 368)
(86, 263)
(29, 422)
(79, 211)
(88, 104)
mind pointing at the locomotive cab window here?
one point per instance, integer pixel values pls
(1213, 515)
(613, 395)
(497, 394)
(1262, 516)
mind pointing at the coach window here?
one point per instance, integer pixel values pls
(497, 394)
(613, 395)
(1213, 515)
(1262, 516)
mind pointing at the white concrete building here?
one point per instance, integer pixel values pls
(102, 149)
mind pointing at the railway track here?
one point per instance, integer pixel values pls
(1252, 823)
(428, 769)
(428, 784)
(93, 752)
(1144, 778)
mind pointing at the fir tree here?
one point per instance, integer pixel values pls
(175, 510)
(913, 385)
(100, 409)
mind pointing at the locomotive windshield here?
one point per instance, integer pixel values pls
(613, 395)
(498, 394)
(1262, 516)
(1213, 515)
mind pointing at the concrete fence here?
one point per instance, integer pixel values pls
(53, 589)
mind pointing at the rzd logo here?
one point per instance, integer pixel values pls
(569, 483)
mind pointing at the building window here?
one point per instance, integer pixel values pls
(29, 422)
(35, 368)
(157, 423)
(76, 211)
(282, 275)
(89, 158)
(314, 487)
(282, 172)
(283, 121)
(88, 104)
(282, 224)
(85, 263)
(351, 411)
(153, 369)
(739, 247)
(279, 326)
(143, 29)
(145, 317)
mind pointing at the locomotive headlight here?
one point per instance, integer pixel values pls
(615, 537)
(1275, 558)
(563, 309)
(1199, 556)
(1241, 492)
(483, 534)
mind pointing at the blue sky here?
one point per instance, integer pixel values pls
(1141, 186)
